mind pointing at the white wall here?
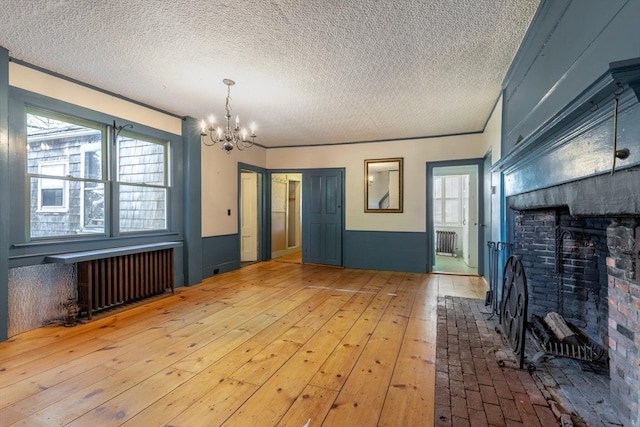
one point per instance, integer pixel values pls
(220, 187)
(493, 132)
(352, 156)
(45, 84)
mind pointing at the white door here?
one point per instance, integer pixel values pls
(249, 217)
(465, 218)
(470, 206)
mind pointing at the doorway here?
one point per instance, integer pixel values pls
(250, 184)
(454, 217)
(286, 215)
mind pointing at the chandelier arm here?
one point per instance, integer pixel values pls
(210, 137)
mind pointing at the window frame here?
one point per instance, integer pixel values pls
(88, 148)
(111, 186)
(118, 183)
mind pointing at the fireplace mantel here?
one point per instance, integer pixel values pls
(577, 142)
(605, 195)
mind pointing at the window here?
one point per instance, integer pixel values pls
(142, 177)
(55, 147)
(52, 194)
(71, 189)
(447, 200)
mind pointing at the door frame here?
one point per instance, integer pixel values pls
(479, 162)
(287, 248)
(267, 205)
(263, 216)
(488, 209)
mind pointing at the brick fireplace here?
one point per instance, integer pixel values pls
(585, 268)
(565, 263)
(572, 187)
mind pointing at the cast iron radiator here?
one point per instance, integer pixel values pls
(107, 282)
(446, 243)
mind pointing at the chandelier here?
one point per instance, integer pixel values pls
(229, 137)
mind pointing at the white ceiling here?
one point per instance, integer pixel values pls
(307, 72)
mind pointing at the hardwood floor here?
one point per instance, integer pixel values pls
(274, 343)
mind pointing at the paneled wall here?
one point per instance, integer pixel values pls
(569, 45)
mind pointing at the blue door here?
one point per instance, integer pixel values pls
(322, 216)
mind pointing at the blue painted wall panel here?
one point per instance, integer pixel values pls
(192, 203)
(4, 191)
(563, 157)
(570, 45)
(381, 250)
(220, 253)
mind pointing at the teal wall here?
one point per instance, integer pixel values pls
(4, 191)
(385, 250)
(16, 250)
(23, 252)
(192, 208)
(559, 96)
(569, 45)
(220, 254)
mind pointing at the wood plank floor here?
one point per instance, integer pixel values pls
(274, 343)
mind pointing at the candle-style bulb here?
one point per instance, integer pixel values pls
(212, 120)
(237, 122)
(203, 126)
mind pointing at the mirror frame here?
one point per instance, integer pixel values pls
(368, 162)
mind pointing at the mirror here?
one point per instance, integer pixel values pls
(383, 185)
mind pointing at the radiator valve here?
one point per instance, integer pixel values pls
(72, 312)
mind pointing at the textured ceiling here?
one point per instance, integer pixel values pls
(306, 72)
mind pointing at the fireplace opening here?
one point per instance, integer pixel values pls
(584, 269)
(565, 261)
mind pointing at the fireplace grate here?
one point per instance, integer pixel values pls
(587, 350)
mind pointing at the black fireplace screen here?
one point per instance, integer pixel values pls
(513, 306)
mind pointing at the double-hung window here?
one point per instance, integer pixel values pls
(82, 182)
(142, 184)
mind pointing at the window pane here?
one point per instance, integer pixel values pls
(59, 148)
(93, 208)
(52, 197)
(50, 140)
(66, 209)
(437, 211)
(452, 186)
(437, 187)
(452, 211)
(142, 208)
(141, 162)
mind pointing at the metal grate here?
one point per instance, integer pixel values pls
(586, 350)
